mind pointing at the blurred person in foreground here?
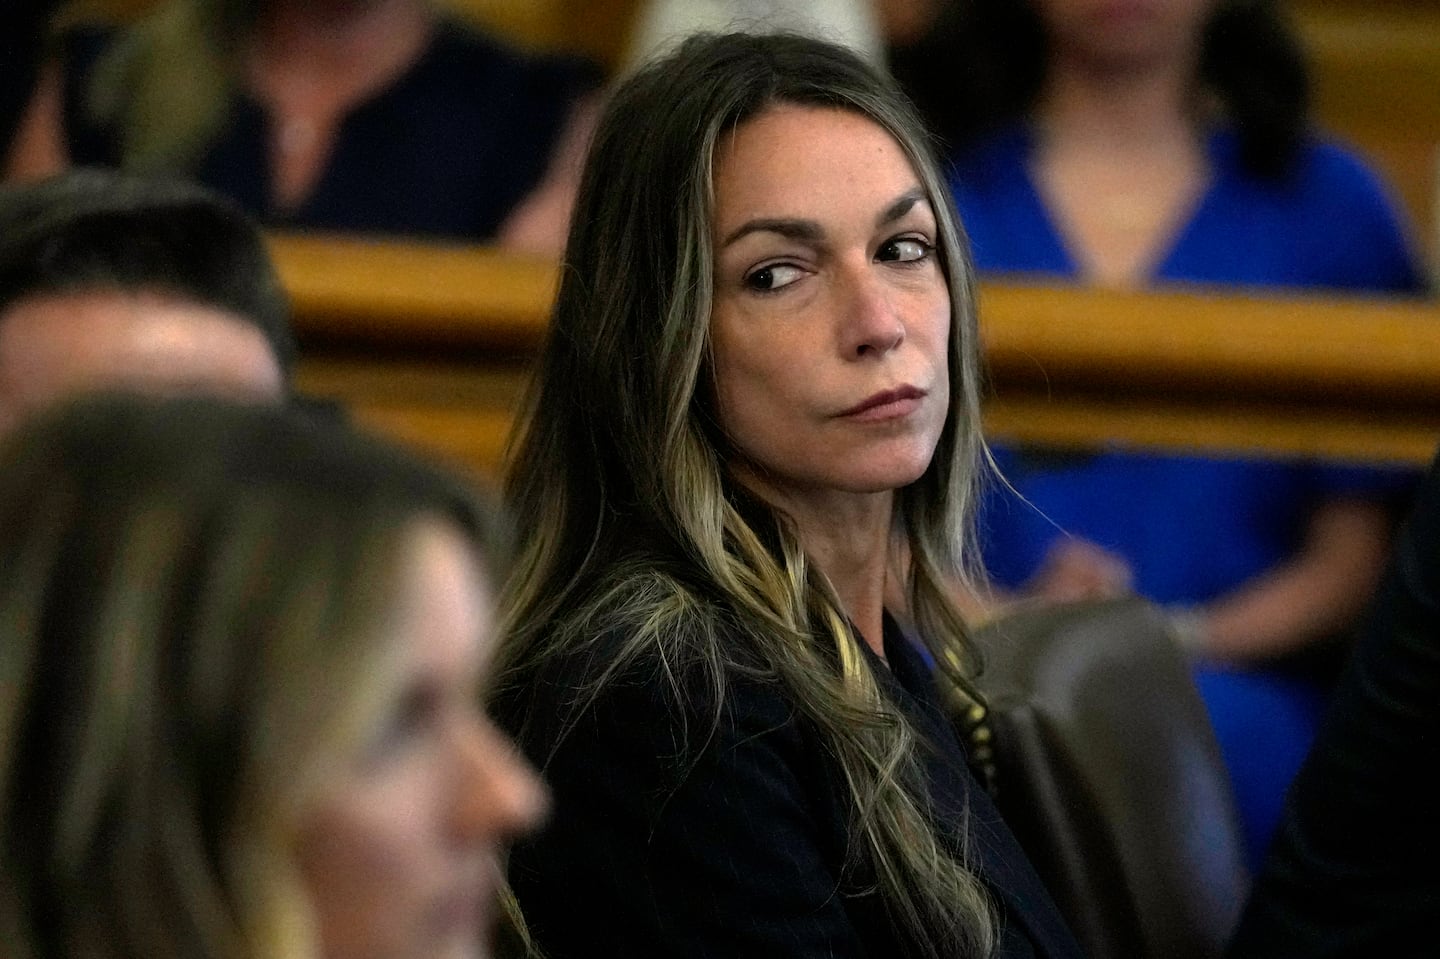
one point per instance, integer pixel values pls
(115, 281)
(243, 655)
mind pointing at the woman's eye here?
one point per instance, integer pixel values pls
(904, 250)
(413, 715)
(772, 277)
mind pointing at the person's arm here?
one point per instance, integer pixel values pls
(675, 837)
(1073, 570)
(1324, 585)
(38, 149)
(541, 223)
(23, 28)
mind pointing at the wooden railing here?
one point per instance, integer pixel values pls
(434, 344)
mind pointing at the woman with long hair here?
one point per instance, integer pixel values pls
(242, 657)
(745, 474)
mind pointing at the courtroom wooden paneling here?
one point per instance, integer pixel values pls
(434, 344)
(458, 411)
(430, 344)
(1354, 379)
(1376, 69)
(357, 290)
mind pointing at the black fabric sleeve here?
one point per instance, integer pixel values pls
(675, 835)
(1352, 870)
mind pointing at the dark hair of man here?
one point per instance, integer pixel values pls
(96, 230)
(982, 66)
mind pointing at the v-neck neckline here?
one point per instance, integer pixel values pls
(1061, 243)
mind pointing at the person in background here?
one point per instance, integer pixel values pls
(1352, 870)
(662, 24)
(745, 471)
(1151, 143)
(115, 281)
(370, 117)
(242, 655)
(22, 40)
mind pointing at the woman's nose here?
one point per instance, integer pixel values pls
(871, 324)
(502, 797)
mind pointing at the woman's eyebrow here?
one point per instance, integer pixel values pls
(792, 229)
(810, 231)
(902, 206)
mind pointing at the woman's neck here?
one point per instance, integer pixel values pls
(848, 538)
(1121, 164)
(1118, 108)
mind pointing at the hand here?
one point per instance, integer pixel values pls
(1077, 569)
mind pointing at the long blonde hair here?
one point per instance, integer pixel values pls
(193, 610)
(620, 478)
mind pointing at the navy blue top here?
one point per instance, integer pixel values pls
(1194, 527)
(447, 149)
(675, 835)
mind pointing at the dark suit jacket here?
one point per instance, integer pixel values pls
(1355, 867)
(669, 839)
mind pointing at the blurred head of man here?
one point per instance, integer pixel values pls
(109, 282)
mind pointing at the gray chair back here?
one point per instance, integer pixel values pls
(1108, 772)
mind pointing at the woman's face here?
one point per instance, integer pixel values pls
(831, 313)
(1125, 34)
(402, 856)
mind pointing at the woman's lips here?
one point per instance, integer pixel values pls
(886, 405)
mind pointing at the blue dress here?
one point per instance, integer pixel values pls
(1195, 528)
(447, 149)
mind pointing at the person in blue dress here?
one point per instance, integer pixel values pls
(1159, 142)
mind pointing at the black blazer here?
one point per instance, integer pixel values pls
(670, 840)
(1353, 868)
